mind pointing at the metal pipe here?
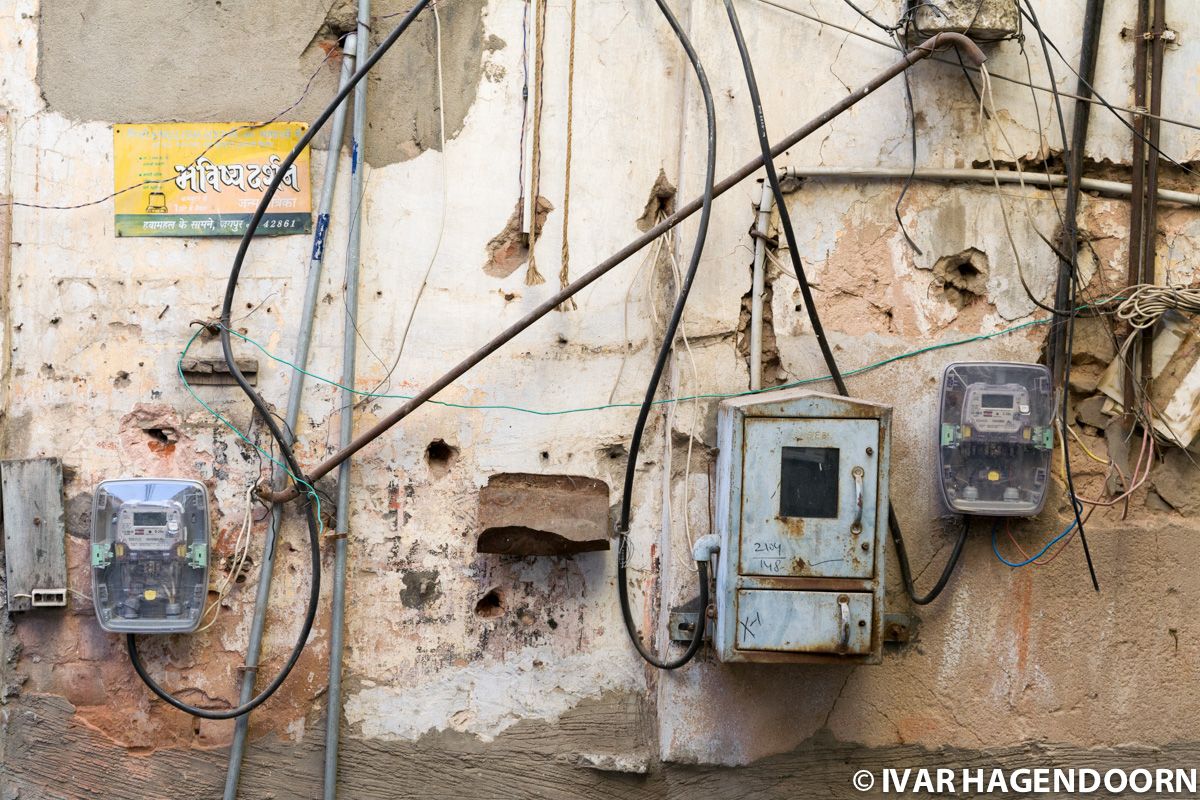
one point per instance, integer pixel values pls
(758, 284)
(918, 53)
(1150, 231)
(1039, 179)
(312, 291)
(1137, 209)
(1089, 51)
(333, 705)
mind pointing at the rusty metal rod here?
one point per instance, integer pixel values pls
(1158, 31)
(1137, 206)
(922, 51)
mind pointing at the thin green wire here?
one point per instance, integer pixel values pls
(499, 407)
(310, 491)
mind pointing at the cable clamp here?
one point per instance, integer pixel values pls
(623, 548)
(773, 241)
(333, 536)
(211, 327)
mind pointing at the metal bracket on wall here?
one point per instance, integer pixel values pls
(682, 621)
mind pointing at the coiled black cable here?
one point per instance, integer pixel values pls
(810, 306)
(264, 411)
(659, 365)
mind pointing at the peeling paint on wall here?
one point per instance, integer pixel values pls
(456, 655)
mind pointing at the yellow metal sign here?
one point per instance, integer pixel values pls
(206, 179)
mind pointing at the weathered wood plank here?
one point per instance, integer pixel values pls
(34, 532)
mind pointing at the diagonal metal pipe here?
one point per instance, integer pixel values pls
(922, 51)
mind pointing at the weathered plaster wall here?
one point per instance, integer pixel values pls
(546, 694)
(90, 67)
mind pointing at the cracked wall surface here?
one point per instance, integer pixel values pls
(520, 669)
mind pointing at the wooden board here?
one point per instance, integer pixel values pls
(34, 533)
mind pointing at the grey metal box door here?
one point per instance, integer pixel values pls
(805, 622)
(809, 497)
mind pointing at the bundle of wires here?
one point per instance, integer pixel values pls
(290, 464)
(1145, 303)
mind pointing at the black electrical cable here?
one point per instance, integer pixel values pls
(810, 306)
(264, 410)
(664, 353)
(1072, 163)
(906, 569)
(1099, 99)
(886, 28)
(785, 218)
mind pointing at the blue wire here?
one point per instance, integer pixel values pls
(1040, 553)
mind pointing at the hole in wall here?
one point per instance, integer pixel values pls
(660, 202)
(509, 249)
(614, 451)
(963, 276)
(491, 605)
(440, 457)
(244, 572)
(161, 435)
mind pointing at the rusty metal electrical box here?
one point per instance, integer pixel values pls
(802, 497)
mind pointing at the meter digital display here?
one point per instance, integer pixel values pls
(996, 437)
(150, 542)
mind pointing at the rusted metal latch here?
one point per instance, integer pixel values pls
(844, 618)
(858, 476)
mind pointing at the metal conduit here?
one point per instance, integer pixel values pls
(333, 705)
(295, 390)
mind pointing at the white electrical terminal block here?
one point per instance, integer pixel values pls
(996, 437)
(802, 497)
(150, 540)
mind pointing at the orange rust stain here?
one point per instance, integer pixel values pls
(164, 449)
(793, 525)
(1023, 617)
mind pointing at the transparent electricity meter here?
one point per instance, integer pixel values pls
(997, 438)
(150, 541)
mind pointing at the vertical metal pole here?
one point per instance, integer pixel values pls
(1075, 153)
(333, 705)
(1137, 205)
(1149, 272)
(295, 390)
